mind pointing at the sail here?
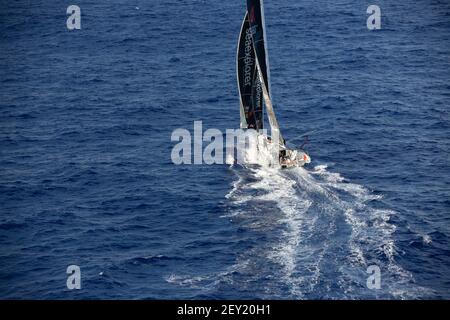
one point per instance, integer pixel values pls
(249, 84)
(256, 21)
(255, 11)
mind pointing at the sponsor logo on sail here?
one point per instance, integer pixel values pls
(258, 88)
(248, 59)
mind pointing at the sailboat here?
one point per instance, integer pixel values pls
(253, 76)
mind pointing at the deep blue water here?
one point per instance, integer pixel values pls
(86, 176)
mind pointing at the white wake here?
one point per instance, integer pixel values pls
(317, 235)
(331, 232)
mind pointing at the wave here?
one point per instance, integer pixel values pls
(315, 234)
(333, 230)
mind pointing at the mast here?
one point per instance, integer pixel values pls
(263, 20)
(256, 20)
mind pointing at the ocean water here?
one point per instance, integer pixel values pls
(86, 176)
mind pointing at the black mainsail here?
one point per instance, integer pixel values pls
(248, 80)
(255, 11)
(254, 26)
